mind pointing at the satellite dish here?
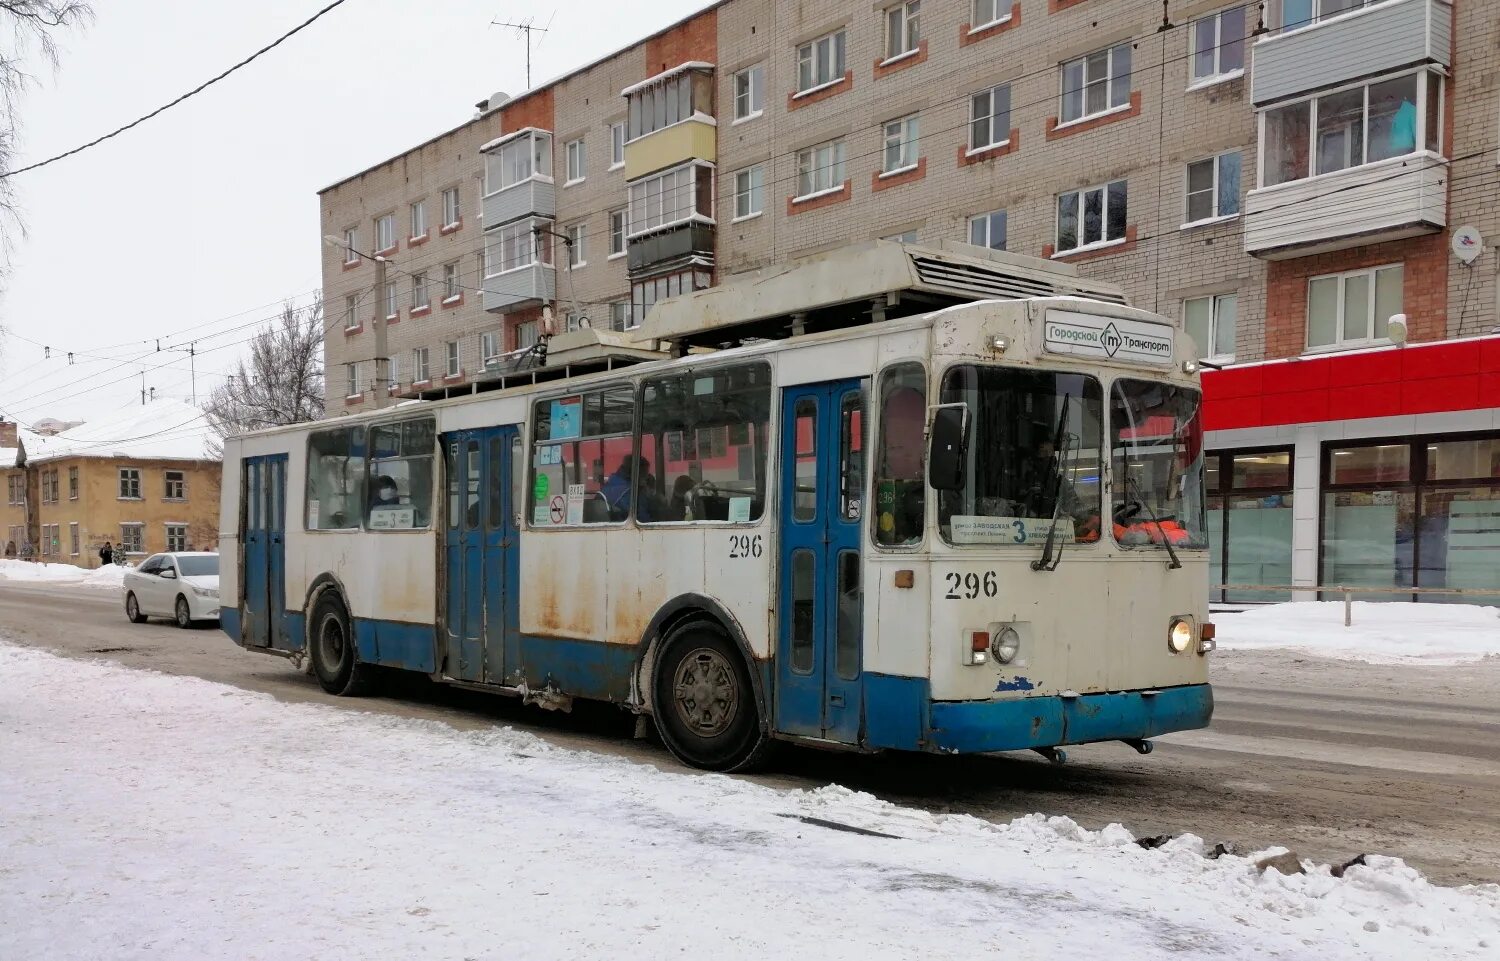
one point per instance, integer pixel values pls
(1395, 328)
(1467, 244)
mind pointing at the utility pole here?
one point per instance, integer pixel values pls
(143, 388)
(382, 362)
(192, 351)
(526, 27)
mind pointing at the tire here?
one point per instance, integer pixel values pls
(133, 609)
(334, 658)
(184, 613)
(704, 701)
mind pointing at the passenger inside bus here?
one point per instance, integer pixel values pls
(617, 488)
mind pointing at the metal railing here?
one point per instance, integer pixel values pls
(1349, 591)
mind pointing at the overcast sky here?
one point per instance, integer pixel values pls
(207, 216)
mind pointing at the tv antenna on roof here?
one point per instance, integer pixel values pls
(526, 27)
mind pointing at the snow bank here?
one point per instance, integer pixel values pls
(149, 816)
(1381, 633)
(110, 577)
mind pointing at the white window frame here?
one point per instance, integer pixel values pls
(825, 57)
(420, 299)
(351, 312)
(526, 334)
(626, 318)
(903, 30)
(418, 220)
(1219, 74)
(1112, 73)
(987, 218)
(129, 478)
(577, 162)
(578, 253)
(452, 211)
(820, 170)
(534, 147)
(392, 304)
(999, 133)
(902, 144)
(977, 20)
(453, 360)
(1217, 215)
(392, 374)
(351, 245)
(1104, 240)
(421, 371)
(517, 248)
(617, 145)
(648, 199)
(1339, 341)
(749, 93)
(1215, 324)
(385, 229)
(749, 192)
(352, 382)
(1318, 16)
(453, 288)
(489, 348)
(619, 226)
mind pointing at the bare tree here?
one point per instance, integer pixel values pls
(282, 384)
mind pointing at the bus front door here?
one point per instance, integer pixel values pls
(481, 550)
(818, 671)
(263, 552)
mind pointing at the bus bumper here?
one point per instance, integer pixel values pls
(967, 727)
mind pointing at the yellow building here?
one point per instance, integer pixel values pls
(140, 478)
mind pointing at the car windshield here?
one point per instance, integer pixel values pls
(1033, 454)
(201, 565)
(1157, 456)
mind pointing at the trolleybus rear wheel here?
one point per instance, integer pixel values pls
(335, 660)
(705, 705)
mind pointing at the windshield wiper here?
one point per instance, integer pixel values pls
(1048, 562)
(1135, 491)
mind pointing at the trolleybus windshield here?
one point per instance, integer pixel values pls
(1157, 458)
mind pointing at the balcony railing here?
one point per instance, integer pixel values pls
(535, 197)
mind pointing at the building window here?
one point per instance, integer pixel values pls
(130, 483)
(419, 220)
(419, 297)
(453, 368)
(820, 168)
(513, 247)
(527, 156)
(72, 483)
(17, 488)
(671, 197)
(1249, 522)
(451, 288)
(1218, 46)
(351, 383)
(1354, 307)
(132, 538)
(902, 28)
(905, 237)
(177, 537)
(489, 348)
(577, 162)
(748, 192)
(1210, 321)
(49, 486)
(668, 101)
(577, 251)
(900, 144)
(351, 311)
(1349, 128)
(988, 230)
(526, 335)
(1213, 188)
(1296, 14)
(451, 211)
(392, 374)
(351, 246)
(1092, 217)
(988, 13)
(646, 294)
(385, 232)
(392, 310)
(419, 370)
(617, 145)
(176, 486)
(820, 61)
(989, 118)
(617, 232)
(73, 539)
(619, 316)
(1096, 84)
(749, 92)
(49, 540)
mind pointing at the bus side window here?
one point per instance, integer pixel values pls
(400, 479)
(900, 484)
(582, 458)
(335, 479)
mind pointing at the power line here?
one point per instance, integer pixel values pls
(167, 106)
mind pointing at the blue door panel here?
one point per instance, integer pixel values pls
(263, 552)
(480, 546)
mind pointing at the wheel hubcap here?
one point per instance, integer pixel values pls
(130, 607)
(182, 612)
(705, 692)
(331, 638)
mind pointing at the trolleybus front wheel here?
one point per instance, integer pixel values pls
(334, 658)
(705, 705)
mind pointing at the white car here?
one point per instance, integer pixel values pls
(183, 586)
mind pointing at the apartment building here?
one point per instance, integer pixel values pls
(1283, 177)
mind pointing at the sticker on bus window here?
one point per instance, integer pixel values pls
(312, 514)
(392, 518)
(575, 504)
(739, 510)
(541, 516)
(567, 418)
(973, 529)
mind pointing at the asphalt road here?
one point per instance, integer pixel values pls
(1332, 759)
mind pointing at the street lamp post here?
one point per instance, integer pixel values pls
(382, 362)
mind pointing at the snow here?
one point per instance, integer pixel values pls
(1380, 633)
(665, 75)
(152, 816)
(106, 578)
(164, 429)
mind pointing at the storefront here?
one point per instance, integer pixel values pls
(1376, 468)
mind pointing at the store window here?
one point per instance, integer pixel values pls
(1249, 523)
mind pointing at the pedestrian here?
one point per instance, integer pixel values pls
(106, 554)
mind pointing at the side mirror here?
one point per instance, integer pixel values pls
(947, 447)
(168, 573)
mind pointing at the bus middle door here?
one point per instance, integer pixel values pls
(480, 546)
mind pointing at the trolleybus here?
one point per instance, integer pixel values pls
(926, 499)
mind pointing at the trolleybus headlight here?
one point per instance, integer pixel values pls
(1180, 636)
(1006, 645)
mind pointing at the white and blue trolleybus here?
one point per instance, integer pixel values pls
(897, 497)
